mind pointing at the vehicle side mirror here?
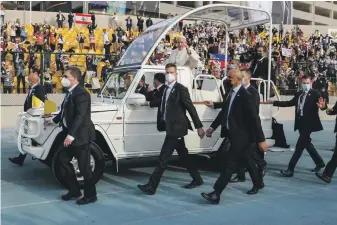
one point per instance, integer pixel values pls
(135, 100)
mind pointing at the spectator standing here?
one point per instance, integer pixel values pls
(95, 85)
(105, 37)
(52, 40)
(149, 22)
(2, 14)
(60, 41)
(91, 28)
(59, 19)
(70, 20)
(114, 20)
(48, 81)
(128, 23)
(20, 76)
(8, 83)
(93, 20)
(92, 42)
(140, 24)
(81, 39)
(23, 33)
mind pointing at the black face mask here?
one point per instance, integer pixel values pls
(228, 84)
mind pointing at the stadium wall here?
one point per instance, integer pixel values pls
(104, 20)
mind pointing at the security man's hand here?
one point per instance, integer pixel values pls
(67, 142)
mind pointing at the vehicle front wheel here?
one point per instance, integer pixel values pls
(97, 163)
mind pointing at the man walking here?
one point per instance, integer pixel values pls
(172, 119)
(38, 91)
(306, 102)
(75, 119)
(241, 124)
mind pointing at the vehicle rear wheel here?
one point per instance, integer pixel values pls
(97, 163)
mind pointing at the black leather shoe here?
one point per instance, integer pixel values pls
(317, 168)
(287, 173)
(236, 179)
(194, 184)
(211, 197)
(255, 189)
(70, 196)
(323, 177)
(17, 160)
(86, 200)
(147, 189)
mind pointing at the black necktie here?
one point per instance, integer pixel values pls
(163, 104)
(64, 104)
(228, 100)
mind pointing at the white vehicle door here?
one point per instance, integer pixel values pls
(141, 137)
(209, 90)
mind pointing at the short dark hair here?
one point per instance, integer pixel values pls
(35, 69)
(169, 65)
(159, 77)
(306, 77)
(263, 47)
(75, 72)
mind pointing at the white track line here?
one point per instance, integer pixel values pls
(58, 200)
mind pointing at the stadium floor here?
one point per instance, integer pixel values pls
(30, 194)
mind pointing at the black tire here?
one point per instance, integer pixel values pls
(98, 171)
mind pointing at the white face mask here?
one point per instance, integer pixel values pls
(65, 82)
(170, 77)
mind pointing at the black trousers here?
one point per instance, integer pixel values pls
(82, 153)
(258, 157)
(172, 143)
(235, 159)
(332, 164)
(304, 142)
(21, 79)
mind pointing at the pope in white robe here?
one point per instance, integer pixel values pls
(183, 55)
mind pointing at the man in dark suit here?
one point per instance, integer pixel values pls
(172, 119)
(157, 93)
(306, 102)
(259, 68)
(75, 119)
(38, 91)
(258, 156)
(260, 65)
(241, 124)
(142, 87)
(332, 164)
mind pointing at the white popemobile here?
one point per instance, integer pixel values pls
(125, 127)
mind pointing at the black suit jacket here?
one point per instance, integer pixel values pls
(312, 122)
(261, 69)
(77, 113)
(176, 122)
(37, 91)
(334, 112)
(256, 97)
(243, 120)
(154, 97)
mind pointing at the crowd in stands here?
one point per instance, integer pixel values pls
(96, 50)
